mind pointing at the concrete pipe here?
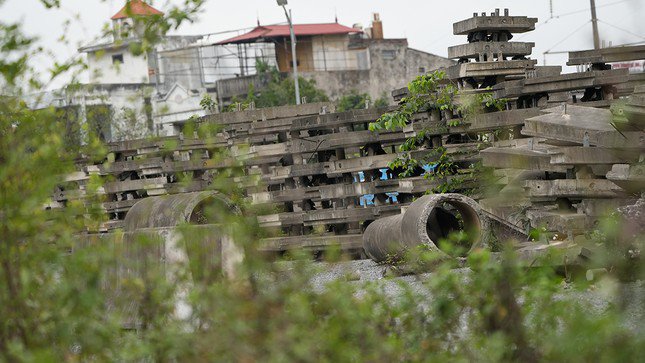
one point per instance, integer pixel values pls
(206, 242)
(151, 242)
(425, 222)
(172, 210)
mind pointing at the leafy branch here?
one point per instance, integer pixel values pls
(427, 93)
(424, 92)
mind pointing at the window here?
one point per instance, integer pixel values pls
(422, 70)
(117, 59)
(388, 54)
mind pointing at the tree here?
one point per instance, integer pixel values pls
(429, 93)
(278, 92)
(284, 93)
(355, 101)
(52, 304)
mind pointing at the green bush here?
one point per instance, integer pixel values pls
(279, 92)
(356, 101)
(58, 297)
(283, 92)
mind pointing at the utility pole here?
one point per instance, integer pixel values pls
(283, 3)
(594, 24)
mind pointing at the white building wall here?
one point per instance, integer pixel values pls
(129, 114)
(104, 70)
(178, 105)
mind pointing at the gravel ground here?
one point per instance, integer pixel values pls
(597, 299)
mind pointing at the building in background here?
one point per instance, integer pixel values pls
(141, 93)
(337, 57)
(131, 93)
(144, 90)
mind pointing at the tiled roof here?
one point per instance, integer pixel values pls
(136, 8)
(279, 31)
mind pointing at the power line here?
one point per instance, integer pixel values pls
(569, 13)
(588, 9)
(619, 28)
(627, 44)
(568, 36)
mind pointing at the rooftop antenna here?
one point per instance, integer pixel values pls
(336, 15)
(257, 14)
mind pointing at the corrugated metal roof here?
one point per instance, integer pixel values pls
(136, 7)
(279, 31)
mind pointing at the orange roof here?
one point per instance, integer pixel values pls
(136, 8)
(278, 31)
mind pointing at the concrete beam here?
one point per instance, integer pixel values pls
(544, 190)
(513, 24)
(501, 119)
(333, 168)
(312, 242)
(629, 177)
(607, 55)
(327, 192)
(485, 69)
(344, 140)
(328, 216)
(331, 121)
(271, 153)
(517, 158)
(263, 114)
(579, 155)
(570, 123)
(490, 49)
(170, 143)
(554, 221)
(149, 185)
(560, 83)
(621, 140)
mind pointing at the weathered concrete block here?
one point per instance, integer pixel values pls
(486, 69)
(493, 22)
(490, 50)
(560, 83)
(630, 177)
(607, 55)
(572, 188)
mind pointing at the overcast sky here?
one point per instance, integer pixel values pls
(427, 24)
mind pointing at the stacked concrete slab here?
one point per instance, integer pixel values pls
(560, 164)
(328, 177)
(560, 180)
(490, 57)
(602, 59)
(325, 174)
(139, 169)
(555, 146)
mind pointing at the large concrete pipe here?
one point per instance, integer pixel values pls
(151, 241)
(206, 240)
(172, 210)
(425, 222)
